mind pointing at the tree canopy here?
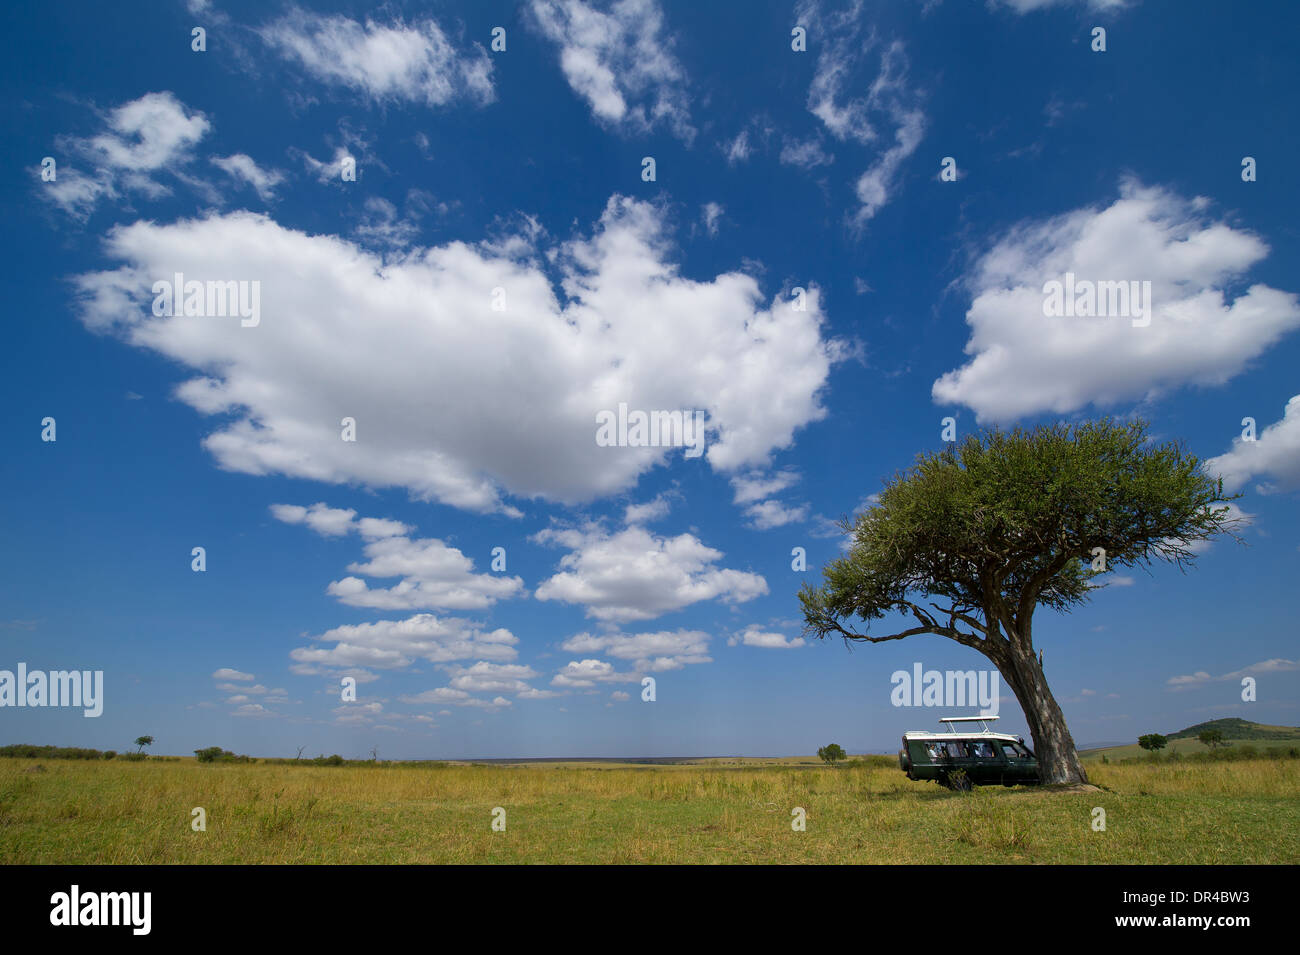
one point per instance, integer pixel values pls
(972, 539)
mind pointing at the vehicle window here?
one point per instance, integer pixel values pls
(1011, 751)
(934, 750)
(956, 750)
(981, 749)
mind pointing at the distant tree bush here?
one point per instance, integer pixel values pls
(142, 742)
(215, 754)
(1211, 738)
(1153, 741)
(28, 751)
(832, 754)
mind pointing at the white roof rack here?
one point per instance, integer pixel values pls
(982, 720)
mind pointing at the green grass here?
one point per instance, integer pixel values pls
(113, 812)
(1186, 747)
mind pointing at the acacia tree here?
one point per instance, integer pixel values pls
(142, 741)
(831, 754)
(1153, 741)
(973, 539)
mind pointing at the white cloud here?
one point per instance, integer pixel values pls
(242, 167)
(883, 115)
(580, 674)
(757, 485)
(144, 137)
(393, 644)
(323, 519)
(806, 154)
(1200, 677)
(254, 710)
(651, 652)
(484, 677)
(710, 213)
(652, 510)
(384, 62)
(454, 401)
(1275, 452)
(621, 62)
(1028, 6)
(635, 575)
(434, 577)
(752, 488)
(449, 696)
(766, 515)
(1025, 363)
(739, 149)
(756, 636)
(226, 673)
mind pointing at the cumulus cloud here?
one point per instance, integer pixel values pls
(383, 61)
(636, 575)
(323, 519)
(1024, 363)
(652, 510)
(434, 576)
(142, 139)
(756, 636)
(452, 400)
(484, 677)
(753, 491)
(449, 696)
(755, 486)
(582, 674)
(651, 652)
(1274, 452)
(620, 60)
(394, 644)
(226, 673)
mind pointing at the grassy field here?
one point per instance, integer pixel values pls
(1185, 747)
(113, 812)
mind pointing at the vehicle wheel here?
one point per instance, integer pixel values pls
(963, 784)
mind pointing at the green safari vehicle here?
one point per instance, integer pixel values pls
(960, 760)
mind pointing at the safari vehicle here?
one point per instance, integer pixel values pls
(960, 760)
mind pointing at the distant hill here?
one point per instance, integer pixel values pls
(1234, 728)
(1184, 742)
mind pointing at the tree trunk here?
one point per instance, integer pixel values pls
(1058, 760)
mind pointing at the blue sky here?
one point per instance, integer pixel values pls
(520, 170)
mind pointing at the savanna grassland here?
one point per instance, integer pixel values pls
(726, 811)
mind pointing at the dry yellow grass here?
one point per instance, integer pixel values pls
(114, 812)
